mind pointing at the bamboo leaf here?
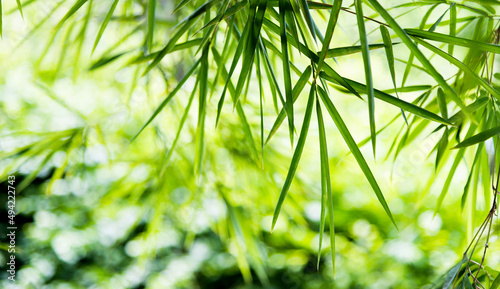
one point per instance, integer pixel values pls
(442, 146)
(489, 47)
(393, 100)
(296, 156)
(167, 99)
(456, 162)
(479, 138)
(202, 111)
(435, 25)
(332, 22)
(237, 54)
(326, 187)
(341, 51)
(180, 5)
(442, 103)
(299, 86)
(386, 37)
(453, 26)
(19, 6)
(286, 67)
(151, 23)
(249, 52)
(241, 114)
(420, 56)
(344, 131)
(70, 13)
(104, 23)
(368, 71)
(308, 17)
(181, 125)
(450, 277)
(186, 24)
(462, 66)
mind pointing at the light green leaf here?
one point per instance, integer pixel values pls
(105, 23)
(151, 24)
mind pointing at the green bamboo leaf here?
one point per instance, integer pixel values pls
(249, 52)
(344, 131)
(442, 103)
(202, 111)
(20, 7)
(456, 162)
(410, 88)
(151, 24)
(286, 68)
(308, 17)
(181, 125)
(326, 187)
(341, 51)
(277, 52)
(450, 277)
(409, 107)
(261, 111)
(228, 12)
(271, 76)
(332, 22)
(185, 24)
(167, 99)
(411, 58)
(476, 105)
(105, 23)
(420, 56)
(290, 23)
(453, 26)
(386, 37)
(70, 13)
(435, 25)
(237, 54)
(311, 55)
(305, 32)
(496, 283)
(299, 86)
(180, 5)
(239, 109)
(368, 71)
(479, 138)
(434, 36)
(477, 158)
(441, 148)
(466, 282)
(462, 66)
(296, 156)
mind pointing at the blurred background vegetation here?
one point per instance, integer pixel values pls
(98, 211)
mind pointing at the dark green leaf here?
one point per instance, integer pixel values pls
(478, 138)
(296, 156)
(344, 131)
